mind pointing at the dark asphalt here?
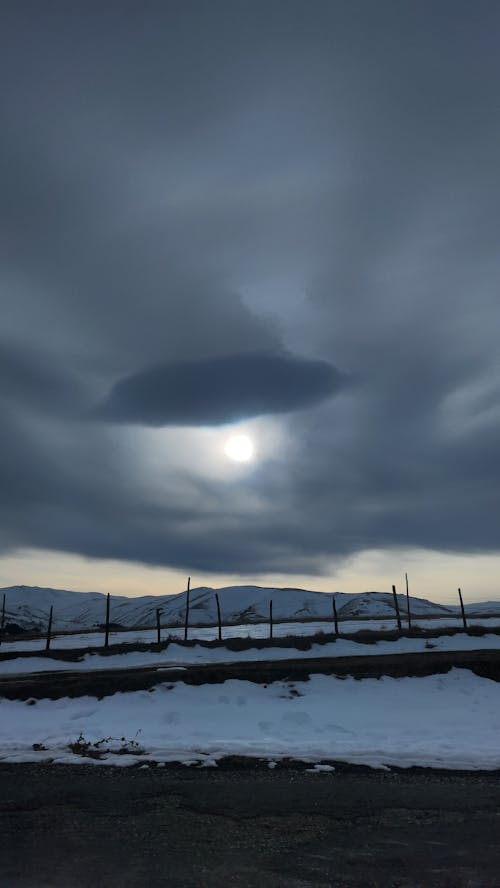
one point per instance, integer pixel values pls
(91, 826)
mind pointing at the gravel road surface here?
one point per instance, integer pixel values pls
(79, 826)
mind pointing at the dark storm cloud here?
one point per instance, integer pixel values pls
(186, 181)
(29, 378)
(219, 390)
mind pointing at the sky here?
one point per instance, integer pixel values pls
(271, 219)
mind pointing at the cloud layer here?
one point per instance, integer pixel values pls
(186, 182)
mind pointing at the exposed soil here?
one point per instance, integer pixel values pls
(245, 825)
(102, 682)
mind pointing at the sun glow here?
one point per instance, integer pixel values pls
(239, 448)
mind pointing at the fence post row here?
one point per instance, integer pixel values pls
(159, 611)
(396, 608)
(186, 621)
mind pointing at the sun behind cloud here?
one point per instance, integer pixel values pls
(239, 448)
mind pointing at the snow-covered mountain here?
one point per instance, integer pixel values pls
(28, 606)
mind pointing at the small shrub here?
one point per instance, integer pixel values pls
(97, 748)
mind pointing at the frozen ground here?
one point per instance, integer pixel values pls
(443, 721)
(258, 630)
(176, 654)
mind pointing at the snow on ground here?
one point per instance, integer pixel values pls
(444, 721)
(176, 654)
(257, 630)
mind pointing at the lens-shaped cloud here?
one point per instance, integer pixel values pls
(219, 390)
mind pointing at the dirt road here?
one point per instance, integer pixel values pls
(91, 826)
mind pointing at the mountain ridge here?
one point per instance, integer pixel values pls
(28, 606)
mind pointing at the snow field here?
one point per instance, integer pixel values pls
(246, 630)
(441, 721)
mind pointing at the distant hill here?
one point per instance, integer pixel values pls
(28, 606)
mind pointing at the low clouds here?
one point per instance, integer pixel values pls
(207, 192)
(219, 390)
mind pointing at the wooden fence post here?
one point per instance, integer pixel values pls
(2, 621)
(396, 608)
(186, 619)
(49, 630)
(270, 618)
(158, 627)
(462, 608)
(408, 602)
(106, 636)
(218, 615)
(335, 617)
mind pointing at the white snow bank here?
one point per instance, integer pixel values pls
(445, 721)
(176, 654)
